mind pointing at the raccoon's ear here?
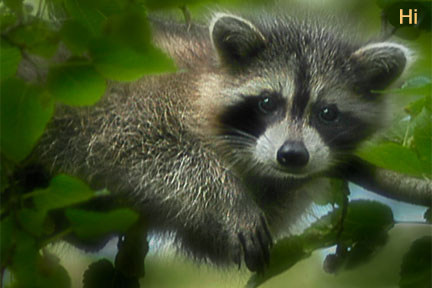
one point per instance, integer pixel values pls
(377, 65)
(235, 39)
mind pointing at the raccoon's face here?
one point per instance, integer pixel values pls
(295, 98)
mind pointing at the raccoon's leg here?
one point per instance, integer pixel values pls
(229, 232)
(255, 239)
(212, 212)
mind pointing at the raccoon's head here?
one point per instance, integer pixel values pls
(295, 96)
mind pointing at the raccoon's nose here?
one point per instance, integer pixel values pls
(292, 154)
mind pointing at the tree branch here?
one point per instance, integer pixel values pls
(387, 183)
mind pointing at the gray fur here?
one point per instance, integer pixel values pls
(158, 140)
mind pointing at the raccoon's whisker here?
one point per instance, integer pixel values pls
(234, 144)
(253, 165)
(237, 131)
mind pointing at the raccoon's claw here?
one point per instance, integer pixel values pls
(256, 247)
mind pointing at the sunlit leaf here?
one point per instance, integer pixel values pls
(423, 137)
(130, 28)
(62, 192)
(93, 13)
(10, 57)
(419, 82)
(419, 85)
(25, 111)
(394, 157)
(87, 224)
(119, 62)
(76, 83)
(416, 107)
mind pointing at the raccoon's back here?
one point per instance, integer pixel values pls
(134, 125)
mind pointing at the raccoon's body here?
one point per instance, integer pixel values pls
(227, 151)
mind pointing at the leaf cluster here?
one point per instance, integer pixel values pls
(31, 221)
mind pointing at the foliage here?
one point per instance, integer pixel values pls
(408, 146)
(359, 238)
(29, 223)
(415, 271)
(111, 41)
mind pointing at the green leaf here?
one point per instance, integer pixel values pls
(25, 111)
(99, 274)
(421, 84)
(6, 20)
(25, 260)
(38, 37)
(423, 138)
(365, 230)
(31, 220)
(366, 220)
(50, 273)
(394, 157)
(10, 57)
(31, 269)
(76, 36)
(365, 227)
(288, 251)
(6, 239)
(284, 255)
(132, 250)
(400, 131)
(416, 266)
(416, 107)
(119, 62)
(155, 4)
(63, 191)
(6, 168)
(418, 85)
(14, 5)
(92, 14)
(385, 3)
(76, 83)
(130, 28)
(87, 224)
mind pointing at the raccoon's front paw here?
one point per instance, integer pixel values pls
(256, 242)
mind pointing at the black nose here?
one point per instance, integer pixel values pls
(292, 154)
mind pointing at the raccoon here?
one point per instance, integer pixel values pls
(228, 152)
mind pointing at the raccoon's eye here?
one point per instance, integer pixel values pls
(267, 104)
(329, 114)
